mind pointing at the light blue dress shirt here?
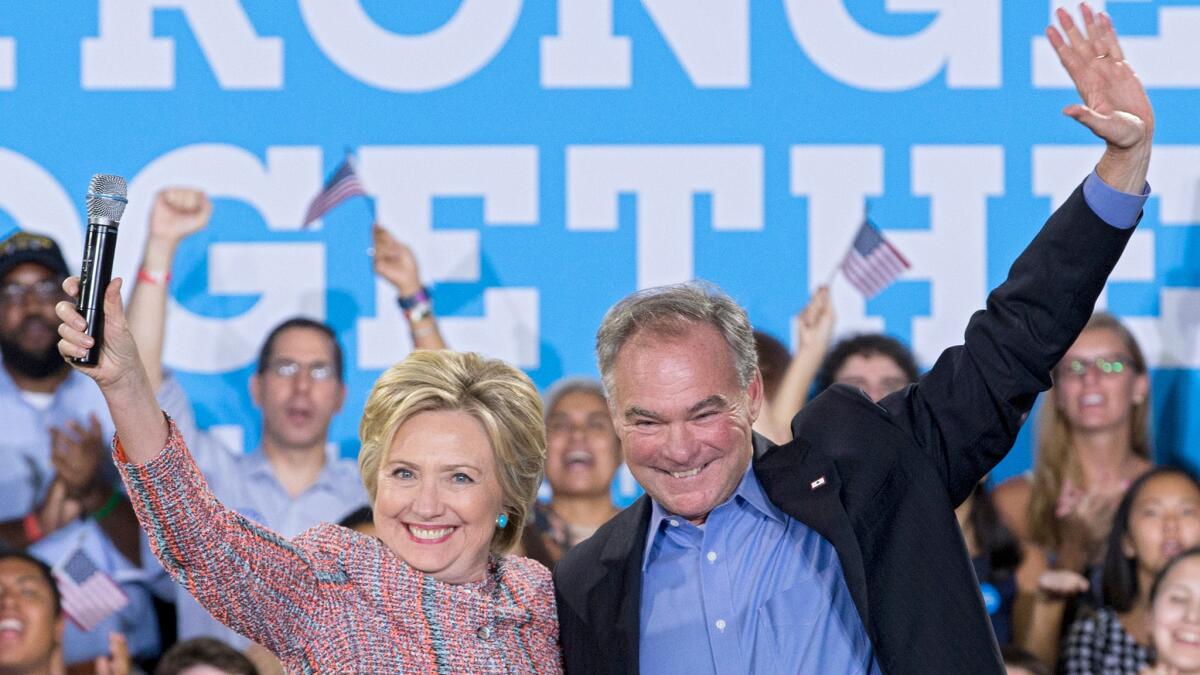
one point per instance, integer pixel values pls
(752, 591)
(247, 484)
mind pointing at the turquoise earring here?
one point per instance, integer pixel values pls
(502, 521)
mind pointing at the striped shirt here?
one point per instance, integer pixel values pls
(333, 600)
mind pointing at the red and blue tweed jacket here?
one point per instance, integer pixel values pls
(333, 600)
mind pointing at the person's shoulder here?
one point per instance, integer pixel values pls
(528, 573)
(620, 533)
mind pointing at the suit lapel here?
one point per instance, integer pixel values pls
(616, 597)
(806, 485)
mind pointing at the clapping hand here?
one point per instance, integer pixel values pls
(76, 453)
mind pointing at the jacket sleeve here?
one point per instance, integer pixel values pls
(966, 411)
(249, 578)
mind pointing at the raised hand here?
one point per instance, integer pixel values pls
(1115, 106)
(395, 262)
(816, 321)
(178, 212)
(118, 661)
(118, 355)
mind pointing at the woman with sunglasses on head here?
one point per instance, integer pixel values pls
(1093, 441)
(1157, 518)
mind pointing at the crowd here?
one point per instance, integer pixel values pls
(811, 489)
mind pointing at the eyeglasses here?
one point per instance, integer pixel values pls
(44, 291)
(289, 369)
(1101, 366)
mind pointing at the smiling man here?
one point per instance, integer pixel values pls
(838, 552)
(31, 622)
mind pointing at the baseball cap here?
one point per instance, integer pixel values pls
(23, 247)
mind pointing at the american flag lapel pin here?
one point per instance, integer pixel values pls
(817, 483)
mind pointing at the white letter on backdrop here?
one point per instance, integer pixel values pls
(405, 181)
(964, 39)
(1171, 339)
(665, 180)
(38, 203)
(383, 59)
(1166, 60)
(126, 55)
(711, 39)
(289, 278)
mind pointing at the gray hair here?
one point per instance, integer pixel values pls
(673, 309)
(571, 385)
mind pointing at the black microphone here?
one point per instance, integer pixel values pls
(105, 204)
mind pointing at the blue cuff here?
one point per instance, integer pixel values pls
(1119, 209)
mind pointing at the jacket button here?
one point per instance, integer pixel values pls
(485, 632)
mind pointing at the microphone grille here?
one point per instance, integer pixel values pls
(106, 197)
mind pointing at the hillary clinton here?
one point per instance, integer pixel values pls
(452, 453)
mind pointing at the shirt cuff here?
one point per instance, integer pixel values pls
(1119, 209)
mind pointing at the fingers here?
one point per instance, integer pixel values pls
(70, 286)
(75, 342)
(1079, 43)
(1107, 36)
(185, 200)
(112, 302)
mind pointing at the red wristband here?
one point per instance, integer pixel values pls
(156, 278)
(33, 529)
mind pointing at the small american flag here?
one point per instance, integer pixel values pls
(89, 596)
(342, 185)
(872, 263)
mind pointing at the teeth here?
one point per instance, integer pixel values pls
(423, 533)
(11, 624)
(1187, 636)
(685, 474)
(1092, 399)
(578, 456)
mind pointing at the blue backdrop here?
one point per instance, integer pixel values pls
(547, 158)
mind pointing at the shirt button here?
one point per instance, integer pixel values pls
(721, 625)
(673, 522)
(712, 556)
(485, 632)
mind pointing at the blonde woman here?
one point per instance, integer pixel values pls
(1093, 442)
(452, 453)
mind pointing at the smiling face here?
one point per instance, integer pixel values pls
(1175, 617)
(29, 630)
(438, 495)
(1090, 399)
(1164, 520)
(582, 449)
(876, 374)
(298, 402)
(683, 419)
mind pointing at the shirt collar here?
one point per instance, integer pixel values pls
(258, 466)
(749, 492)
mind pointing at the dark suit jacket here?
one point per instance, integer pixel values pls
(893, 474)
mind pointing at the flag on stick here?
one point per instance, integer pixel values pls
(342, 185)
(89, 596)
(872, 263)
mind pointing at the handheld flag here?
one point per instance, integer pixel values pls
(342, 185)
(89, 596)
(872, 263)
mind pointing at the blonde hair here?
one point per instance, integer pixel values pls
(1054, 460)
(500, 397)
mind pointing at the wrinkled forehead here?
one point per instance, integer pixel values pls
(302, 345)
(696, 361)
(20, 572)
